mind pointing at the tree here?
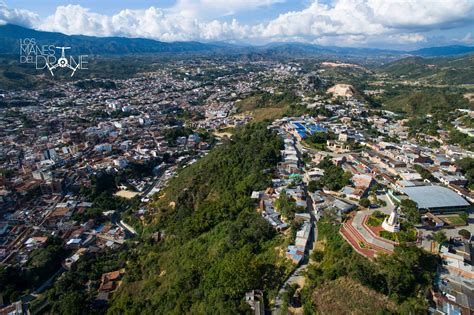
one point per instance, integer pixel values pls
(375, 187)
(457, 137)
(415, 306)
(325, 163)
(317, 255)
(410, 209)
(440, 237)
(313, 186)
(318, 137)
(403, 276)
(364, 202)
(465, 234)
(12, 283)
(70, 303)
(287, 206)
(424, 173)
(46, 260)
(334, 177)
(467, 168)
(464, 216)
(285, 302)
(407, 271)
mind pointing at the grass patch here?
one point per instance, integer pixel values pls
(372, 221)
(388, 235)
(407, 235)
(260, 114)
(225, 132)
(317, 146)
(263, 105)
(358, 299)
(376, 218)
(453, 219)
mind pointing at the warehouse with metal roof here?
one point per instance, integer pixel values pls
(437, 199)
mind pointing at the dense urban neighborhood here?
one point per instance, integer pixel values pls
(238, 185)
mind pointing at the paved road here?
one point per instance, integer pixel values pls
(387, 209)
(297, 276)
(158, 183)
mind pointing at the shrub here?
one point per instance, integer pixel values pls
(372, 221)
(378, 214)
(318, 255)
(388, 235)
(464, 216)
(364, 202)
(465, 233)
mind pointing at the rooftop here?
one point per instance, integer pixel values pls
(434, 197)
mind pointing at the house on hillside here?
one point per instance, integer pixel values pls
(110, 281)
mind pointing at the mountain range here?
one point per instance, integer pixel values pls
(11, 34)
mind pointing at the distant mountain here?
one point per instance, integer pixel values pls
(10, 35)
(301, 48)
(443, 51)
(306, 49)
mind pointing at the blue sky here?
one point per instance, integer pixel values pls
(402, 24)
(108, 7)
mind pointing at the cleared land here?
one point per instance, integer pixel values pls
(267, 106)
(358, 299)
(126, 194)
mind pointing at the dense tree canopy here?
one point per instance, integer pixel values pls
(467, 168)
(217, 246)
(287, 206)
(334, 177)
(43, 263)
(410, 209)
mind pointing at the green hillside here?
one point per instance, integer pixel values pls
(216, 247)
(14, 75)
(90, 45)
(446, 71)
(422, 101)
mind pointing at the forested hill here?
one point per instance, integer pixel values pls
(451, 71)
(216, 246)
(80, 44)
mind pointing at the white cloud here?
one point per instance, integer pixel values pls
(422, 13)
(152, 23)
(347, 17)
(467, 39)
(74, 19)
(343, 22)
(16, 16)
(371, 18)
(407, 38)
(213, 8)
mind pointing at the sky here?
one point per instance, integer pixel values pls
(391, 24)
